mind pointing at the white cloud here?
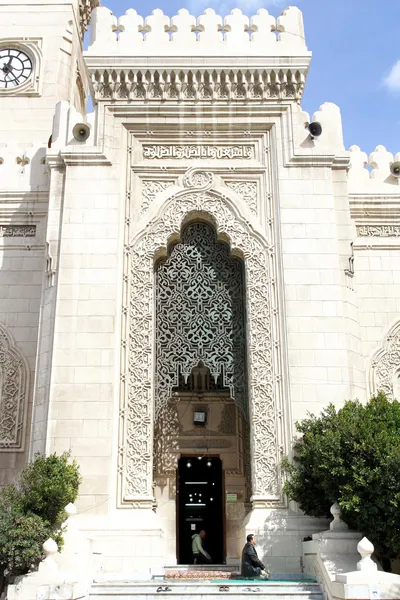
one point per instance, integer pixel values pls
(223, 7)
(392, 81)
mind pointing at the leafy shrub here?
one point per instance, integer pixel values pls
(47, 485)
(32, 510)
(21, 540)
(352, 456)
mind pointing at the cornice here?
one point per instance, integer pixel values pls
(78, 156)
(202, 79)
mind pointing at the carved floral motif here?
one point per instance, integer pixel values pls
(200, 180)
(150, 189)
(137, 360)
(386, 362)
(247, 190)
(14, 376)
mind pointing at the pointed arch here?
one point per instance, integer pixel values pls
(138, 332)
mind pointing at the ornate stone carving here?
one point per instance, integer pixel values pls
(198, 151)
(14, 380)
(136, 421)
(247, 190)
(199, 180)
(200, 316)
(150, 189)
(378, 230)
(17, 230)
(228, 420)
(251, 84)
(386, 362)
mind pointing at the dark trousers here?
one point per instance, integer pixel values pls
(199, 559)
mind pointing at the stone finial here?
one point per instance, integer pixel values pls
(337, 524)
(380, 160)
(366, 549)
(236, 25)
(183, 26)
(103, 27)
(130, 27)
(157, 26)
(263, 26)
(291, 27)
(209, 25)
(358, 161)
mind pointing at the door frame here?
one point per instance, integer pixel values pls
(177, 503)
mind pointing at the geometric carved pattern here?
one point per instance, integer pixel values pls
(385, 363)
(247, 190)
(150, 188)
(135, 467)
(14, 379)
(200, 315)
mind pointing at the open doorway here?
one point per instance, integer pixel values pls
(200, 505)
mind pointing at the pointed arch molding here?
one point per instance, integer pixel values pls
(385, 362)
(14, 386)
(137, 359)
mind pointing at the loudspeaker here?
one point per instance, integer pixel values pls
(315, 129)
(81, 132)
(395, 169)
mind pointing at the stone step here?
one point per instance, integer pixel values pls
(205, 590)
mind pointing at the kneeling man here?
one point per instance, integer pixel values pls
(251, 565)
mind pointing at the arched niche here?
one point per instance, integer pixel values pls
(135, 462)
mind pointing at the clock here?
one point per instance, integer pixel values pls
(15, 67)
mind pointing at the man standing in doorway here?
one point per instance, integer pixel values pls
(251, 565)
(200, 556)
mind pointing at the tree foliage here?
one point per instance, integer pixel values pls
(352, 456)
(32, 510)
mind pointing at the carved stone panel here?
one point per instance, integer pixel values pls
(137, 361)
(385, 363)
(150, 189)
(14, 379)
(247, 190)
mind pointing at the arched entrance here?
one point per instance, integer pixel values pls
(145, 242)
(201, 391)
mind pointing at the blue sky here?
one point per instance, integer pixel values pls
(356, 58)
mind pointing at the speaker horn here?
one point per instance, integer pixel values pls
(315, 129)
(395, 169)
(81, 132)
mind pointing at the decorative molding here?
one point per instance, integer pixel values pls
(206, 444)
(197, 151)
(188, 85)
(135, 469)
(197, 179)
(85, 11)
(386, 362)
(14, 386)
(33, 47)
(17, 231)
(150, 189)
(378, 230)
(247, 190)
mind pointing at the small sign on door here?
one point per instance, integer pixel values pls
(231, 497)
(192, 526)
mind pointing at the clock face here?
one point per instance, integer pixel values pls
(15, 67)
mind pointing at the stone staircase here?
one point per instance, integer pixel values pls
(281, 587)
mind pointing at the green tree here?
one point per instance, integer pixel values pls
(47, 485)
(352, 456)
(32, 510)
